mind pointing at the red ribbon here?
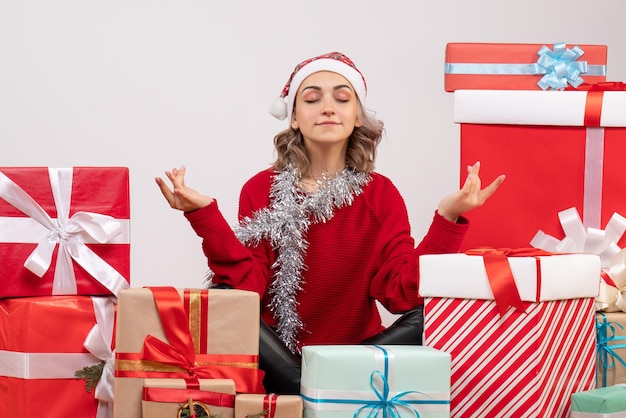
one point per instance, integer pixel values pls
(225, 400)
(500, 276)
(269, 404)
(595, 95)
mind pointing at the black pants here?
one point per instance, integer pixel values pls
(282, 367)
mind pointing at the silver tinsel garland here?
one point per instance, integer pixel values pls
(284, 224)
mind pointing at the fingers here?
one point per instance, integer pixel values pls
(177, 177)
(472, 182)
(491, 189)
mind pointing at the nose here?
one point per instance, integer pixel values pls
(328, 107)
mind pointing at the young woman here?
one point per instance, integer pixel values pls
(322, 236)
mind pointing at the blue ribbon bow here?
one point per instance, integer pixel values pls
(559, 67)
(384, 404)
(605, 333)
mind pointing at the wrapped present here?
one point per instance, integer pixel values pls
(611, 348)
(561, 152)
(64, 231)
(270, 405)
(507, 66)
(612, 295)
(163, 332)
(44, 342)
(609, 402)
(347, 380)
(520, 328)
(171, 398)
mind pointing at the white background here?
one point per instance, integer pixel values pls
(155, 84)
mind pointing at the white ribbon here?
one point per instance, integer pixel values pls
(613, 298)
(43, 365)
(579, 239)
(68, 232)
(98, 343)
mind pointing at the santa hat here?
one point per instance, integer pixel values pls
(336, 62)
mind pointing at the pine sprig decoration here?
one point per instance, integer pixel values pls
(259, 415)
(91, 375)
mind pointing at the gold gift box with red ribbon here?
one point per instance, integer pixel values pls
(168, 398)
(270, 405)
(519, 325)
(163, 332)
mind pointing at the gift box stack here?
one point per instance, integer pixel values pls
(182, 349)
(544, 115)
(64, 252)
(76, 340)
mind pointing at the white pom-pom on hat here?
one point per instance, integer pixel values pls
(278, 108)
(282, 107)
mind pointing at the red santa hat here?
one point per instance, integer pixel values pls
(336, 62)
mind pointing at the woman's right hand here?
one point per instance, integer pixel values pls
(180, 196)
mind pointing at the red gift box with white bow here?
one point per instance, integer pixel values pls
(562, 154)
(44, 341)
(64, 231)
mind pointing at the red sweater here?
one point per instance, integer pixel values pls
(363, 254)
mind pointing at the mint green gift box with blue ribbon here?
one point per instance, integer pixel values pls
(366, 381)
(608, 402)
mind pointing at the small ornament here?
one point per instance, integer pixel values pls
(197, 410)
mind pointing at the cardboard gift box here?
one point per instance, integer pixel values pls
(64, 231)
(520, 329)
(44, 341)
(347, 380)
(511, 66)
(163, 332)
(609, 402)
(561, 152)
(271, 405)
(165, 398)
(611, 348)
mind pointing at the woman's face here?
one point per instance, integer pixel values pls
(325, 109)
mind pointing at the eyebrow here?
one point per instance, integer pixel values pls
(338, 87)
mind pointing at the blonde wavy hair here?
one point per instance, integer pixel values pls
(360, 156)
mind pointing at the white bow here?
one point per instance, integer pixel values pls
(98, 343)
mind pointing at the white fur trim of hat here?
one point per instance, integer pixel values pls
(282, 107)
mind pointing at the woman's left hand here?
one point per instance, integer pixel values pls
(470, 196)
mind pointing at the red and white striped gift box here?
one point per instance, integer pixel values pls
(516, 364)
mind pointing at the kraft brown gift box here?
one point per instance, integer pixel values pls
(164, 332)
(163, 398)
(283, 406)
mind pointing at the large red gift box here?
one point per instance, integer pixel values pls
(64, 231)
(562, 154)
(524, 351)
(44, 341)
(509, 66)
